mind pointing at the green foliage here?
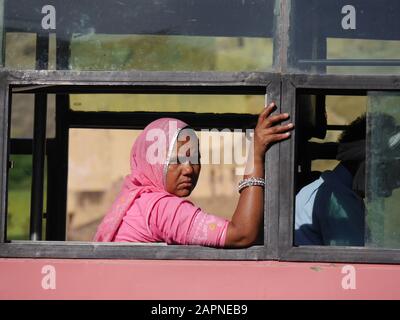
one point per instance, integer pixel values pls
(19, 197)
(18, 214)
(20, 174)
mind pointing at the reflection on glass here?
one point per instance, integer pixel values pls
(20, 50)
(170, 53)
(363, 49)
(383, 167)
(251, 104)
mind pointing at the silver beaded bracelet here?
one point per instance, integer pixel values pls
(253, 181)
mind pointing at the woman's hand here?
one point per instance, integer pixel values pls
(268, 131)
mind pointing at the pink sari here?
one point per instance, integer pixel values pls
(145, 212)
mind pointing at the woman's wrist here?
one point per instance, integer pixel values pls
(256, 168)
(259, 158)
(259, 152)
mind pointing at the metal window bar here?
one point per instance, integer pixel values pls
(4, 134)
(351, 62)
(39, 144)
(38, 158)
(57, 158)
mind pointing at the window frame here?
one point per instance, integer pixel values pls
(279, 195)
(326, 84)
(62, 82)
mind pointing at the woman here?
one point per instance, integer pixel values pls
(165, 167)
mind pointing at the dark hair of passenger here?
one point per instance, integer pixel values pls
(355, 131)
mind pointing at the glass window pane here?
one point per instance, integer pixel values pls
(20, 50)
(383, 167)
(171, 35)
(342, 37)
(351, 49)
(170, 53)
(251, 104)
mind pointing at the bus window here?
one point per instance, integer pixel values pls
(92, 131)
(342, 37)
(143, 35)
(347, 186)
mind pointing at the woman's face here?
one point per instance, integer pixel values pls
(184, 169)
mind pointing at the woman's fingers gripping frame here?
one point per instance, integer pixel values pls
(266, 120)
(277, 133)
(266, 113)
(268, 125)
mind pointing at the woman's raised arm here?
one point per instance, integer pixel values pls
(245, 224)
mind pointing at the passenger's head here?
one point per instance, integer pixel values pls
(355, 131)
(165, 157)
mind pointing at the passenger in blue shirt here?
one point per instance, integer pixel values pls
(330, 210)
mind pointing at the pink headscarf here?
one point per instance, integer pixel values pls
(146, 176)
